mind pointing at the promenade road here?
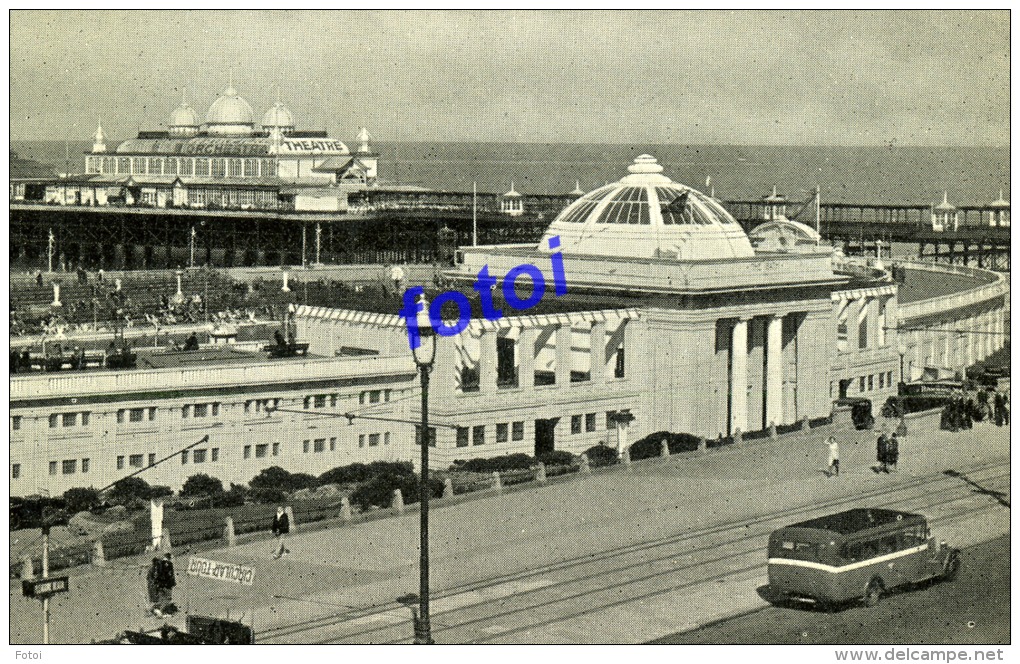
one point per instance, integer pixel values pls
(339, 585)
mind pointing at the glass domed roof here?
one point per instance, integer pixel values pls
(647, 215)
(230, 109)
(278, 116)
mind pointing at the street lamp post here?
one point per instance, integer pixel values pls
(424, 357)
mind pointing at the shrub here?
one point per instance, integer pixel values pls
(350, 474)
(379, 490)
(201, 485)
(267, 495)
(557, 458)
(601, 455)
(519, 461)
(129, 491)
(651, 446)
(160, 491)
(277, 478)
(81, 499)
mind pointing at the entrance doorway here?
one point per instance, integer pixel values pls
(545, 436)
(844, 387)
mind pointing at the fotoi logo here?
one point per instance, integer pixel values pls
(485, 283)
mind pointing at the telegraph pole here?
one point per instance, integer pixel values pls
(46, 575)
(474, 214)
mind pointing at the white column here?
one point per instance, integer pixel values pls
(487, 361)
(598, 353)
(774, 371)
(526, 358)
(563, 352)
(56, 296)
(738, 380)
(970, 341)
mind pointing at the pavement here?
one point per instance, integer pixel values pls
(360, 569)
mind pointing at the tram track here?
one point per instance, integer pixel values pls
(585, 570)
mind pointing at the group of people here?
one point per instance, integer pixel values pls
(161, 580)
(963, 410)
(888, 453)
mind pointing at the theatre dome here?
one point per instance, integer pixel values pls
(230, 114)
(278, 116)
(647, 215)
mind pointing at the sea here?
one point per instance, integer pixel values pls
(890, 174)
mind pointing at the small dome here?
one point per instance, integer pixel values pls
(278, 116)
(999, 202)
(945, 205)
(230, 114)
(647, 215)
(184, 116)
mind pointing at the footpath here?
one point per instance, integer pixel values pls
(368, 565)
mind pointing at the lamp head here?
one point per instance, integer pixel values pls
(425, 352)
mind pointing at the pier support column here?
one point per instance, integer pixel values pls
(774, 370)
(738, 375)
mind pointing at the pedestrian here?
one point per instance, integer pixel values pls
(38, 278)
(397, 276)
(882, 453)
(152, 579)
(281, 526)
(892, 455)
(998, 409)
(833, 456)
(167, 581)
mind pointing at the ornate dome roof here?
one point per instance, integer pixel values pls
(278, 116)
(647, 215)
(184, 116)
(230, 109)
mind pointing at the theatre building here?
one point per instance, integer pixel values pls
(227, 162)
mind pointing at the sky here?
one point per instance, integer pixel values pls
(654, 77)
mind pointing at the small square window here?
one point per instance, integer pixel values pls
(361, 440)
(69, 467)
(502, 432)
(15, 471)
(53, 467)
(184, 457)
(120, 462)
(590, 422)
(137, 460)
(276, 449)
(84, 465)
(332, 401)
(373, 440)
(462, 436)
(518, 431)
(199, 456)
(201, 410)
(320, 400)
(374, 396)
(320, 445)
(304, 446)
(136, 414)
(215, 456)
(478, 435)
(69, 419)
(53, 421)
(247, 451)
(575, 423)
(260, 450)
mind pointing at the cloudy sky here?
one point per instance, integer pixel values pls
(774, 77)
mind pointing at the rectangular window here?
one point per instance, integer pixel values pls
(170, 167)
(185, 411)
(152, 459)
(84, 465)
(518, 431)
(304, 446)
(69, 419)
(261, 451)
(862, 380)
(502, 432)
(361, 398)
(417, 435)
(251, 167)
(276, 449)
(235, 168)
(219, 168)
(373, 440)
(610, 421)
(374, 396)
(332, 401)
(320, 445)
(881, 381)
(386, 395)
(138, 460)
(137, 414)
(478, 435)
(199, 456)
(307, 403)
(590, 422)
(215, 410)
(16, 422)
(575, 424)
(386, 438)
(361, 440)
(201, 410)
(332, 444)
(888, 378)
(152, 414)
(462, 436)
(215, 456)
(53, 467)
(15, 471)
(871, 382)
(621, 366)
(85, 419)
(320, 400)
(184, 457)
(202, 167)
(247, 451)
(120, 463)
(69, 467)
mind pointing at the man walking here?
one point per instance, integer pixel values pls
(152, 586)
(883, 450)
(281, 526)
(833, 456)
(167, 581)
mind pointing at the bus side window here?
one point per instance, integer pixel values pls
(852, 552)
(869, 550)
(888, 544)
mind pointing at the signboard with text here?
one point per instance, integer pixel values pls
(44, 587)
(229, 572)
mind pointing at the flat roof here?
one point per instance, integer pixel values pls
(859, 519)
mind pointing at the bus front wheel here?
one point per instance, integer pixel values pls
(873, 593)
(952, 568)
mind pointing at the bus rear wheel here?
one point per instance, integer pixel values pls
(873, 593)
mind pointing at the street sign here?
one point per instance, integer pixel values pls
(230, 572)
(45, 587)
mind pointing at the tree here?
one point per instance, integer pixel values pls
(278, 479)
(81, 499)
(128, 490)
(201, 485)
